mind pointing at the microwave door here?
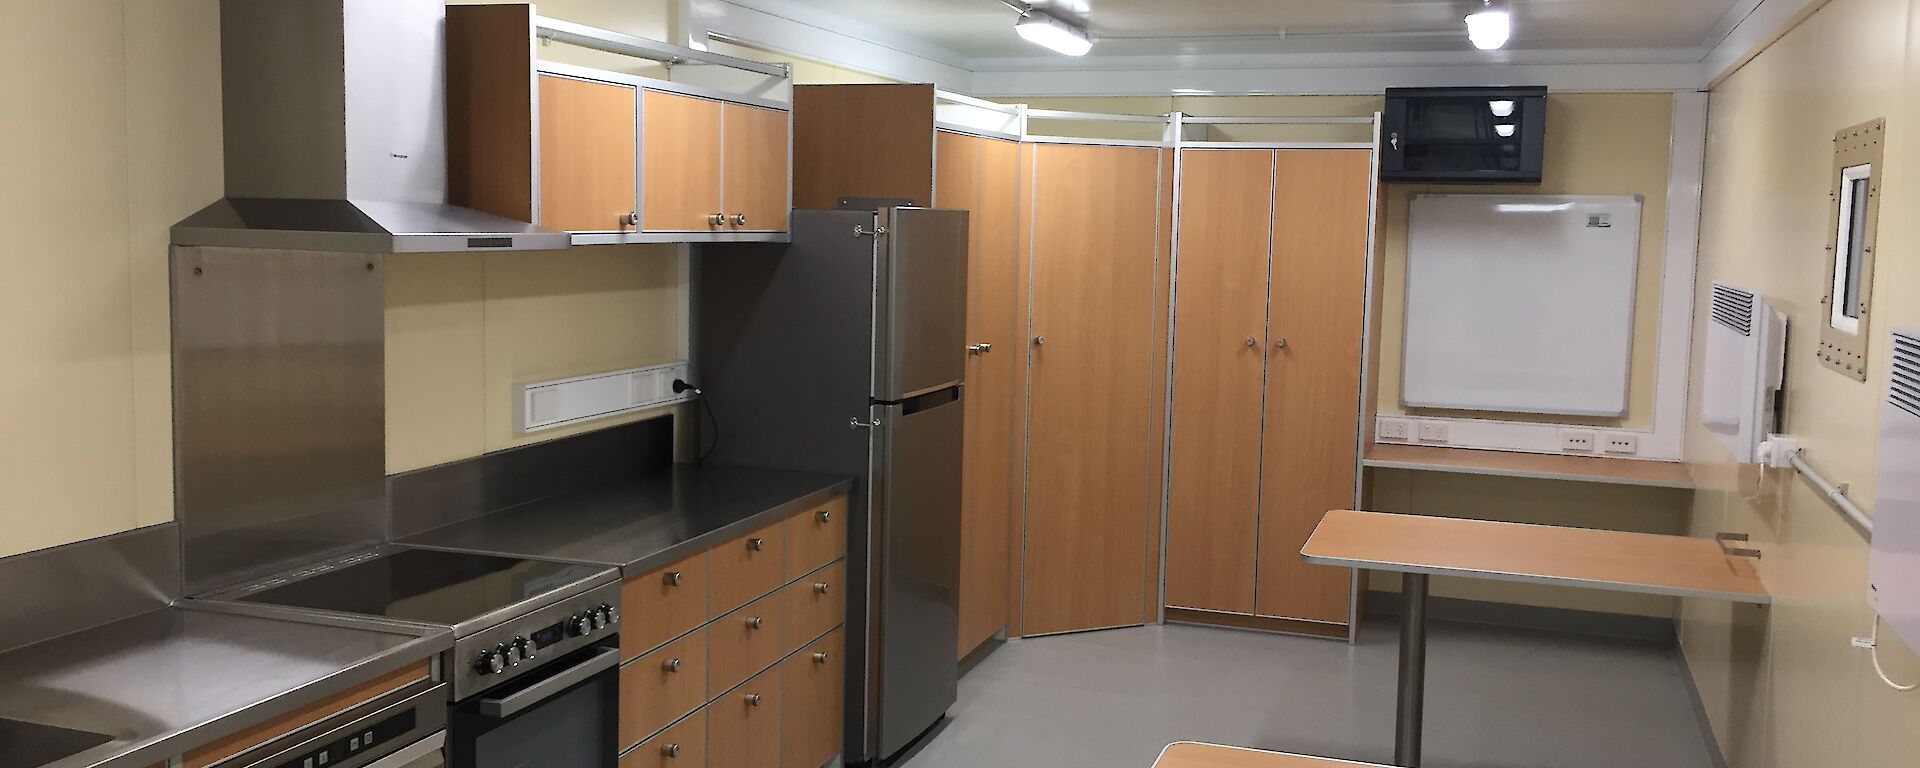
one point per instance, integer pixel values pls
(920, 302)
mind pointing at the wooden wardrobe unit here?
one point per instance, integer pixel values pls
(881, 141)
(1269, 339)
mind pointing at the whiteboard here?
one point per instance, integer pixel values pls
(1520, 303)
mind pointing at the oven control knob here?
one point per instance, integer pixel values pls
(492, 661)
(606, 614)
(515, 651)
(579, 625)
(525, 647)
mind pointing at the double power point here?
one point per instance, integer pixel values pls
(1593, 441)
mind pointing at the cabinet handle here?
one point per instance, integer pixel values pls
(674, 578)
(1279, 343)
(755, 622)
(753, 699)
(986, 348)
(756, 544)
(974, 349)
(739, 219)
(670, 750)
(671, 665)
(1251, 343)
(820, 658)
(820, 587)
(632, 219)
(1039, 340)
(716, 219)
(825, 515)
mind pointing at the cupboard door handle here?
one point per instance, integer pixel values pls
(1039, 340)
(1251, 343)
(974, 349)
(756, 544)
(632, 219)
(755, 622)
(753, 699)
(820, 658)
(826, 515)
(670, 665)
(1279, 343)
(670, 750)
(821, 587)
(674, 578)
(739, 219)
(716, 219)
(986, 347)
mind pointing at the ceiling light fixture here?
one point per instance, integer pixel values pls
(1501, 107)
(1045, 29)
(1504, 129)
(1490, 26)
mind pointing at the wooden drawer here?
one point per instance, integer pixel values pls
(812, 683)
(663, 604)
(658, 688)
(743, 727)
(815, 604)
(816, 537)
(745, 642)
(747, 567)
(682, 746)
(281, 726)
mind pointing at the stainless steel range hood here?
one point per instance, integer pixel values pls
(335, 134)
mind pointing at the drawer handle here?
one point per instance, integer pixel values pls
(671, 665)
(755, 622)
(716, 219)
(825, 515)
(739, 219)
(756, 544)
(753, 699)
(632, 218)
(820, 658)
(675, 578)
(820, 587)
(670, 750)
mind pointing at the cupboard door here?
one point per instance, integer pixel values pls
(1213, 495)
(660, 687)
(748, 567)
(746, 641)
(682, 746)
(665, 603)
(756, 161)
(743, 726)
(1093, 226)
(812, 684)
(814, 605)
(679, 163)
(816, 537)
(982, 176)
(586, 155)
(1311, 444)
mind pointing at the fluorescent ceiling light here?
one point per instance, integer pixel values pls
(1490, 26)
(1042, 28)
(1533, 207)
(1501, 108)
(1504, 129)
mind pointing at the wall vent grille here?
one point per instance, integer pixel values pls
(1733, 308)
(1903, 389)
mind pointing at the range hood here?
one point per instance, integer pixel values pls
(335, 134)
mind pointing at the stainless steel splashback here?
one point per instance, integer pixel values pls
(86, 584)
(279, 414)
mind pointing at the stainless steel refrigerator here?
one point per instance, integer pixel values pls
(844, 352)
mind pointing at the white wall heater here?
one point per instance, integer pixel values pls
(549, 404)
(1746, 356)
(1893, 568)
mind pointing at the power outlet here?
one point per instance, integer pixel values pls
(1433, 432)
(1621, 443)
(1576, 440)
(1397, 430)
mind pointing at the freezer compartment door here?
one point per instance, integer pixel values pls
(920, 302)
(917, 568)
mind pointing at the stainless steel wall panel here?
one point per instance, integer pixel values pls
(53, 592)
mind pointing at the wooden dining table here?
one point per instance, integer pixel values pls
(1193, 754)
(1421, 547)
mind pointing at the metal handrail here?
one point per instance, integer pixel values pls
(1836, 494)
(639, 47)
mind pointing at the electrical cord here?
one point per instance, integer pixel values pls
(680, 386)
(1873, 651)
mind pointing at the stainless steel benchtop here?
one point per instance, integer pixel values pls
(643, 523)
(168, 681)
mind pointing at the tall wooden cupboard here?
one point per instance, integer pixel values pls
(881, 141)
(1267, 369)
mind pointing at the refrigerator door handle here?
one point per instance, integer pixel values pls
(856, 423)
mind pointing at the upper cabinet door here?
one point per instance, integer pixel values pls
(680, 163)
(756, 169)
(587, 177)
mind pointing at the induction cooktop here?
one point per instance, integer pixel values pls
(427, 586)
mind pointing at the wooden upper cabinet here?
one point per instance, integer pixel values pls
(680, 160)
(587, 178)
(756, 161)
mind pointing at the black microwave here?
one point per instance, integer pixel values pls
(1470, 135)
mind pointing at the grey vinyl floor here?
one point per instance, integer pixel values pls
(1496, 697)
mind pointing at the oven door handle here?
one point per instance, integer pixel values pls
(512, 704)
(416, 754)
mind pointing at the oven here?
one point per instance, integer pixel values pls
(562, 714)
(403, 729)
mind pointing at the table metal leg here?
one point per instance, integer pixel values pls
(1413, 670)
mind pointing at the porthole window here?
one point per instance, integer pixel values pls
(1857, 155)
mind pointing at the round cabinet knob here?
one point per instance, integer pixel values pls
(1279, 343)
(670, 665)
(716, 219)
(1251, 342)
(491, 662)
(670, 750)
(986, 347)
(755, 622)
(1039, 340)
(820, 587)
(825, 515)
(631, 219)
(756, 544)
(820, 658)
(739, 219)
(974, 349)
(675, 578)
(753, 699)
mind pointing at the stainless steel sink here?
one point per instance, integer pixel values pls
(33, 744)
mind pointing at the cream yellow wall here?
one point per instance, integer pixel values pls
(112, 129)
(1782, 685)
(805, 71)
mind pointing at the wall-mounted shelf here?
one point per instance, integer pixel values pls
(1584, 469)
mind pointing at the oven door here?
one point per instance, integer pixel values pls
(564, 717)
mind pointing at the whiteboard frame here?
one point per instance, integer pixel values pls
(1407, 293)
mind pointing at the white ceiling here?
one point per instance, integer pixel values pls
(983, 29)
